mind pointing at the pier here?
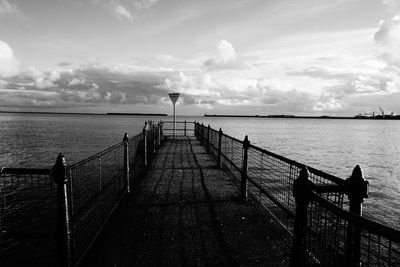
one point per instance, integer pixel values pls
(190, 197)
(187, 212)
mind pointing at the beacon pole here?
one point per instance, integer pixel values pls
(174, 97)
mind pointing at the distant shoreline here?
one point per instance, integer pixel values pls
(84, 113)
(303, 117)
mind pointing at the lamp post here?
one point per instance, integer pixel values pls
(174, 97)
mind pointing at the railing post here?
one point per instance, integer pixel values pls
(220, 148)
(144, 132)
(185, 128)
(202, 134)
(208, 138)
(302, 187)
(357, 190)
(161, 132)
(126, 162)
(243, 181)
(153, 135)
(64, 229)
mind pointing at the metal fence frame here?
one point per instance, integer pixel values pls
(81, 198)
(307, 202)
(322, 229)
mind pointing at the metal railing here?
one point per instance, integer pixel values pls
(27, 217)
(322, 229)
(65, 208)
(182, 128)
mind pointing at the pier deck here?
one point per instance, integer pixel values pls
(186, 212)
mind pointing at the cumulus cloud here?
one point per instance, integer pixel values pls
(327, 103)
(225, 58)
(388, 40)
(8, 62)
(94, 85)
(76, 81)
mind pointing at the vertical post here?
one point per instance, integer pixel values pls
(357, 190)
(202, 133)
(174, 121)
(220, 148)
(185, 128)
(174, 97)
(243, 181)
(144, 132)
(64, 229)
(161, 131)
(153, 135)
(302, 187)
(208, 138)
(126, 162)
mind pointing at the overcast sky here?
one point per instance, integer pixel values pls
(308, 57)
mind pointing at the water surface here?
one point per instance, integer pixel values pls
(334, 146)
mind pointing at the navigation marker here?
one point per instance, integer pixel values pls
(174, 97)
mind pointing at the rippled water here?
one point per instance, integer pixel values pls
(335, 146)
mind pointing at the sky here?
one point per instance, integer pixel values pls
(253, 57)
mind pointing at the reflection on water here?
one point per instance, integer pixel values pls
(335, 146)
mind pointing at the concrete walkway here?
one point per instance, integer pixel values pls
(185, 212)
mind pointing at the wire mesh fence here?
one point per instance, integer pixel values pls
(330, 228)
(182, 128)
(27, 217)
(32, 202)
(96, 186)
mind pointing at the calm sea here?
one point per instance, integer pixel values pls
(334, 146)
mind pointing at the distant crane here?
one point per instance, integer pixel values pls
(382, 111)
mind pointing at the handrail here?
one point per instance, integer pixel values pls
(334, 235)
(365, 223)
(83, 194)
(24, 171)
(331, 177)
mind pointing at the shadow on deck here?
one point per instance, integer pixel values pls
(185, 212)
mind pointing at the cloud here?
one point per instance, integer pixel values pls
(388, 40)
(65, 63)
(225, 58)
(76, 81)
(122, 13)
(9, 65)
(125, 9)
(84, 86)
(391, 5)
(7, 8)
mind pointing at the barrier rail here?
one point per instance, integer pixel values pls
(27, 217)
(69, 203)
(65, 217)
(322, 229)
(183, 128)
